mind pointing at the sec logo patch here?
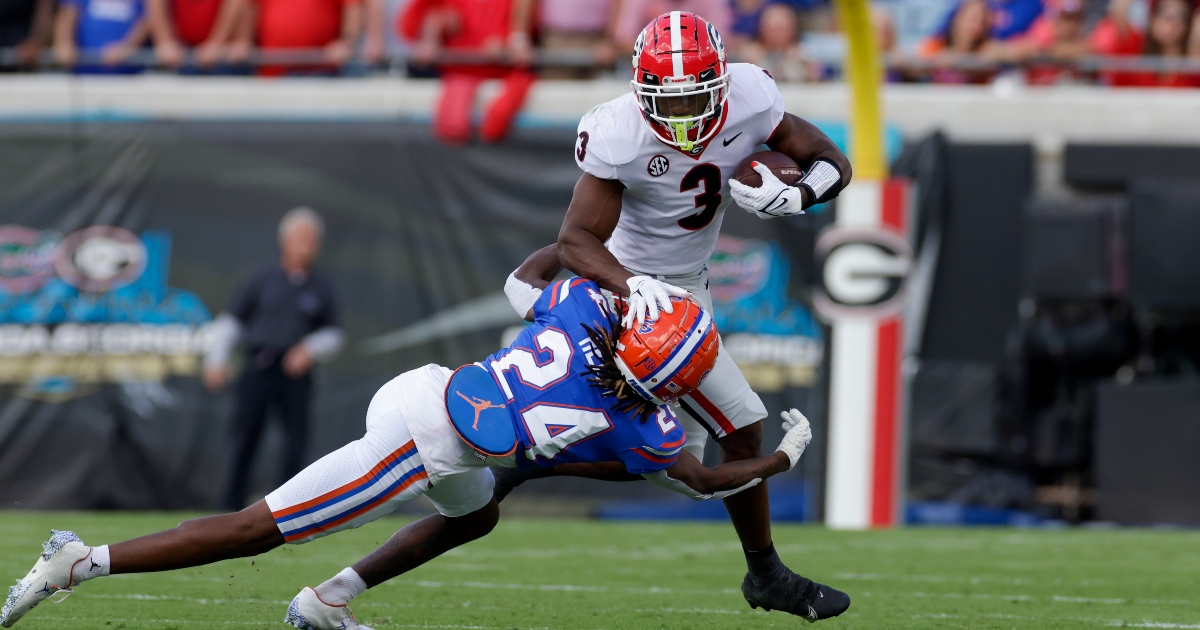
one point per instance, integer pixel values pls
(658, 166)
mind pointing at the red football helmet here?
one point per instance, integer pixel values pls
(669, 357)
(680, 78)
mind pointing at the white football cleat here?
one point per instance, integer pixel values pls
(53, 573)
(308, 612)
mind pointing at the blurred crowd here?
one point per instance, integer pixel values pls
(1112, 42)
(1047, 39)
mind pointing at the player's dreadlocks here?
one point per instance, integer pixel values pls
(608, 377)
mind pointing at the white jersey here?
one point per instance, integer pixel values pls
(674, 202)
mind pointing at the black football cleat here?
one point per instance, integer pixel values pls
(786, 591)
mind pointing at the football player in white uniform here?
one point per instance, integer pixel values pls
(644, 220)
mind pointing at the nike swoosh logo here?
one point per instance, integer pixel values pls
(726, 142)
(778, 203)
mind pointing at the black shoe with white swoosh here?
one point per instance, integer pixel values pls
(785, 590)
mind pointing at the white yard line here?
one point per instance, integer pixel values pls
(194, 600)
(652, 590)
(1118, 623)
(262, 623)
(699, 611)
(163, 621)
(1090, 600)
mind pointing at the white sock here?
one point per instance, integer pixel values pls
(341, 588)
(96, 564)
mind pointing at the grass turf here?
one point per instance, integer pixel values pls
(589, 574)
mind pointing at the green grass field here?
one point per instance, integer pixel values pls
(588, 574)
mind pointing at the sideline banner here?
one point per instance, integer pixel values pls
(863, 261)
(92, 307)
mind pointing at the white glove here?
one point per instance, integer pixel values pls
(798, 435)
(647, 296)
(772, 199)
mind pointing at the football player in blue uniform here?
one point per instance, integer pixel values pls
(572, 390)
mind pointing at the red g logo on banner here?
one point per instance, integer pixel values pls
(100, 258)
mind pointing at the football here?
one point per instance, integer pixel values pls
(784, 167)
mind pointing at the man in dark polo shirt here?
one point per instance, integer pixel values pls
(285, 318)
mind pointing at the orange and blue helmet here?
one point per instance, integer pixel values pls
(670, 357)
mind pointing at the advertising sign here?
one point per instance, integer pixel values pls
(773, 338)
(92, 307)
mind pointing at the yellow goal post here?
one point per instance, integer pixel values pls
(863, 74)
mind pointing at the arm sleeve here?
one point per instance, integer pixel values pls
(324, 343)
(225, 332)
(521, 295)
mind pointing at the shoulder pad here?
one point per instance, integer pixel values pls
(754, 86)
(478, 411)
(616, 130)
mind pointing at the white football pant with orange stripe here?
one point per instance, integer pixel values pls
(724, 403)
(369, 477)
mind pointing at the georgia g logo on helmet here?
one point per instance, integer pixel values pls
(680, 79)
(715, 38)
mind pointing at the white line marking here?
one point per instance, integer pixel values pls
(652, 590)
(205, 622)
(194, 600)
(699, 611)
(1151, 624)
(1090, 600)
(676, 46)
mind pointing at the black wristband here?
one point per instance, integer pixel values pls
(823, 181)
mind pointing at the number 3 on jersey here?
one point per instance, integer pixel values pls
(708, 175)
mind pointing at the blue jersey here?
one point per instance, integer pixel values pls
(559, 416)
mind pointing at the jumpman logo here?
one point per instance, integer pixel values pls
(479, 404)
(46, 588)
